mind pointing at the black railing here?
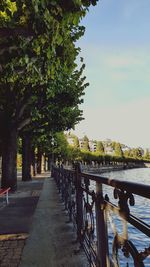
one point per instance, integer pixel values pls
(94, 209)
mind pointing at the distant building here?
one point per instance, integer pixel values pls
(108, 150)
(107, 142)
(70, 140)
(81, 142)
(92, 146)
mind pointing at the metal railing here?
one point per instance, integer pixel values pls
(94, 210)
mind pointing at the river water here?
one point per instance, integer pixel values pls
(141, 209)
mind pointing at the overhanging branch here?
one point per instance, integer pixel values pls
(21, 31)
(24, 123)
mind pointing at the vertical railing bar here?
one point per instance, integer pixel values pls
(101, 229)
(79, 205)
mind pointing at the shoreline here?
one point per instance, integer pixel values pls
(104, 169)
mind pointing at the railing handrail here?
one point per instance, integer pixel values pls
(134, 188)
(83, 201)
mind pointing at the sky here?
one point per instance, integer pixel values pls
(116, 51)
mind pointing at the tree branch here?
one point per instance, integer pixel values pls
(24, 123)
(22, 109)
(9, 32)
(4, 48)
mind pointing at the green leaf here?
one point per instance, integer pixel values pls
(48, 53)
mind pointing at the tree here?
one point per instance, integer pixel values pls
(26, 156)
(61, 148)
(136, 153)
(113, 144)
(76, 142)
(100, 147)
(85, 145)
(44, 122)
(118, 151)
(37, 46)
(147, 154)
(127, 153)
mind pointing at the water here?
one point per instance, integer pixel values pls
(133, 175)
(141, 209)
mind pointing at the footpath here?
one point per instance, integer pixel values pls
(16, 220)
(34, 231)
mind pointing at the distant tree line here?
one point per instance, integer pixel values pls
(99, 155)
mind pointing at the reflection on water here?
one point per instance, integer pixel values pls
(141, 209)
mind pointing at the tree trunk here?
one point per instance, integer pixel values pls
(33, 162)
(43, 164)
(9, 159)
(26, 158)
(39, 161)
(49, 163)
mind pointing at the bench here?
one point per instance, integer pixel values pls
(4, 191)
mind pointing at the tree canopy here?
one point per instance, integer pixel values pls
(100, 147)
(38, 56)
(40, 85)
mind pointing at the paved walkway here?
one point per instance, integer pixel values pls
(33, 230)
(50, 243)
(16, 220)
(17, 216)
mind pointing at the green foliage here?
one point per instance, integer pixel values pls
(136, 153)
(76, 142)
(113, 144)
(19, 161)
(85, 138)
(127, 153)
(40, 86)
(85, 144)
(99, 155)
(147, 154)
(100, 147)
(117, 150)
(60, 147)
(74, 154)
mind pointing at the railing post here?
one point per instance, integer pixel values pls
(79, 204)
(101, 229)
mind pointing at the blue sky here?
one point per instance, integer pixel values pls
(116, 51)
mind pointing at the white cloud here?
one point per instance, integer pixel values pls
(117, 103)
